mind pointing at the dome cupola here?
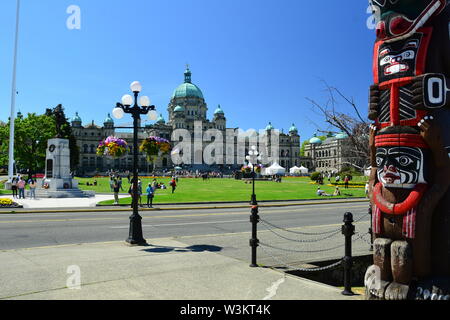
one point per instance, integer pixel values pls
(187, 89)
(219, 111)
(315, 141)
(160, 120)
(269, 127)
(293, 129)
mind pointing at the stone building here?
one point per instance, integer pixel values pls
(187, 110)
(332, 154)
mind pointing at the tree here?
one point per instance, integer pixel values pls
(65, 132)
(354, 125)
(30, 141)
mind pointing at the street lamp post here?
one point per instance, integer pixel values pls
(135, 235)
(253, 157)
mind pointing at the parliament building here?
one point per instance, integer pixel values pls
(187, 110)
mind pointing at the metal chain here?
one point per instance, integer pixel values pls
(363, 237)
(334, 231)
(332, 266)
(297, 240)
(301, 251)
(298, 232)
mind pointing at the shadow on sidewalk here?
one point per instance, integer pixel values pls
(193, 248)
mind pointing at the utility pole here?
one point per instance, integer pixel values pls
(13, 100)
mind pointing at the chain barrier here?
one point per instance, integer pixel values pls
(297, 240)
(301, 251)
(285, 264)
(299, 232)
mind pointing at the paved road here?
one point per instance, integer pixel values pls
(47, 229)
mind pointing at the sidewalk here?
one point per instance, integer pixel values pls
(167, 269)
(63, 202)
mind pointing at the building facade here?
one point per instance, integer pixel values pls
(332, 154)
(187, 110)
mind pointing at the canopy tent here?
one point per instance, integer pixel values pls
(275, 169)
(298, 170)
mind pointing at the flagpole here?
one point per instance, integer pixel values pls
(13, 100)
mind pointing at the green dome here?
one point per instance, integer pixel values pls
(160, 119)
(76, 118)
(187, 89)
(219, 110)
(108, 119)
(178, 109)
(293, 128)
(315, 140)
(269, 127)
(341, 136)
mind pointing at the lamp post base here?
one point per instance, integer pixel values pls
(135, 237)
(136, 243)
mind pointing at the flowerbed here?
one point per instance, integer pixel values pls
(8, 203)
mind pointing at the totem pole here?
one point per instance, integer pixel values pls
(410, 145)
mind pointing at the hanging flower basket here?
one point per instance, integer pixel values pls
(112, 147)
(246, 169)
(155, 146)
(258, 168)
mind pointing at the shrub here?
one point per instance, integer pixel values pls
(315, 176)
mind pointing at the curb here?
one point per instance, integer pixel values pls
(128, 209)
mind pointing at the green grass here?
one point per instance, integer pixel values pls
(224, 190)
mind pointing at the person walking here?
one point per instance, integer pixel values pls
(140, 192)
(346, 180)
(120, 183)
(21, 188)
(116, 188)
(173, 184)
(150, 195)
(32, 184)
(14, 187)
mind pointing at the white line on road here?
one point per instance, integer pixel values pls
(182, 224)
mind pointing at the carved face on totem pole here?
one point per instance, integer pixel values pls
(409, 104)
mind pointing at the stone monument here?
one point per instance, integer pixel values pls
(58, 182)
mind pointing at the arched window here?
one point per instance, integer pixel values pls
(85, 148)
(92, 147)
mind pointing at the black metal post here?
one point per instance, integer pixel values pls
(348, 230)
(254, 219)
(135, 236)
(370, 228)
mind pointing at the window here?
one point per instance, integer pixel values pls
(85, 148)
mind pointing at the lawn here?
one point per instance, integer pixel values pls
(223, 190)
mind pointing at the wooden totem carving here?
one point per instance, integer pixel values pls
(410, 145)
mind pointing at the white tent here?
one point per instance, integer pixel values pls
(275, 169)
(295, 170)
(298, 171)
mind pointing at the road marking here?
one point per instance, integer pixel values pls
(182, 224)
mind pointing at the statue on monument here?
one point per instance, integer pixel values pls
(410, 177)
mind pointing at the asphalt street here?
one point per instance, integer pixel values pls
(19, 231)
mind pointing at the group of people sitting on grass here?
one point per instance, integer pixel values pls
(321, 193)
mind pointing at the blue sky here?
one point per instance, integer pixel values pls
(258, 59)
